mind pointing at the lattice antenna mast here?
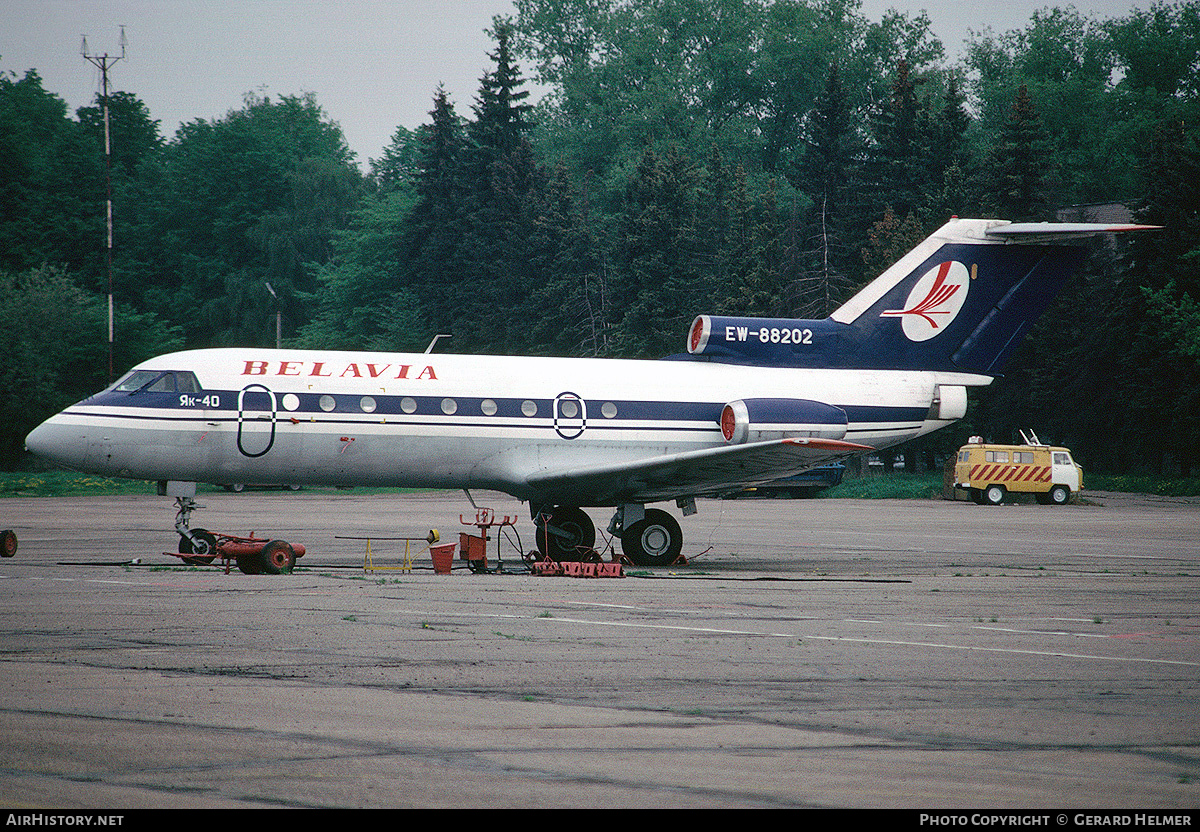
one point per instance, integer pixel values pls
(103, 63)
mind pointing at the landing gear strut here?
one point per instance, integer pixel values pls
(254, 556)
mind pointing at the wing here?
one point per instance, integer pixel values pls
(687, 474)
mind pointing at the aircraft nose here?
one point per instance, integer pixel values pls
(55, 442)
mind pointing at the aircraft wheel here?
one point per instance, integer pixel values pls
(204, 552)
(565, 532)
(1059, 495)
(276, 558)
(655, 540)
(993, 495)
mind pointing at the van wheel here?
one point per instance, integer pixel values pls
(993, 495)
(1059, 495)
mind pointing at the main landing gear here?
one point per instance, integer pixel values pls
(649, 537)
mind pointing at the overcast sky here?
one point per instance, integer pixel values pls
(372, 64)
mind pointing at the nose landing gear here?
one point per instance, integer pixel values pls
(253, 555)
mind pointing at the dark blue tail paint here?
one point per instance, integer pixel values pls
(963, 308)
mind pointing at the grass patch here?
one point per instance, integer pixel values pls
(68, 484)
(895, 486)
(1163, 487)
(71, 484)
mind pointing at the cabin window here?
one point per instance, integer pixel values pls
(291, 401)
(488, 407)
(569, 408)
(408, 404)
(529, 408)
(608, 410)
(449, 406)
(327, 403)
(367, 404)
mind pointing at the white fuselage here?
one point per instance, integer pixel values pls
(442, 420)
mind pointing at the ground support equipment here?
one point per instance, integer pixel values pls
(473, 548)
(253, 555)
(405, 564)
(576, 568)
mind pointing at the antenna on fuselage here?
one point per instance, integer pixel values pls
(429, 349)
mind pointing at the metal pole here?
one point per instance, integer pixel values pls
(103, 62)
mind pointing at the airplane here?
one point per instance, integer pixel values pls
(750, 401)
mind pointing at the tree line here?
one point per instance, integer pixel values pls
(688, 156)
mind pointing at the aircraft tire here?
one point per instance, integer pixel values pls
(202, 555)
(655, 540)
(276, 558)
(565, 532)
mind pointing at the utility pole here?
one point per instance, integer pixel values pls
(278, 316)
(103, 62)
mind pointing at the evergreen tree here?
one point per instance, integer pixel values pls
(568, 310)
(830, 170)
(1022, 164)
(431, 243)
(657, 253)
(51, 183)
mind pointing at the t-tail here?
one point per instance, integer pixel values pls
(960, 301)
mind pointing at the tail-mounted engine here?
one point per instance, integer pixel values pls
(787, 341)
(759, 420)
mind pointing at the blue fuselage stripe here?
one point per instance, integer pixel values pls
(508, 412)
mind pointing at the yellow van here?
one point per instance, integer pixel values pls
(989, 473)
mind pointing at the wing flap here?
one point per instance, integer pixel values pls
(690, 473)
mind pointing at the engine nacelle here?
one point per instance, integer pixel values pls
(785, 340)
(759, 420)
(950, 403)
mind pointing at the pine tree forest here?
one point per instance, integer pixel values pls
(682, 157)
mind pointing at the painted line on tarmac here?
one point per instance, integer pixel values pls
(772, 634)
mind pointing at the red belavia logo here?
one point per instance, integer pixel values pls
(322, 369)
(935, 301)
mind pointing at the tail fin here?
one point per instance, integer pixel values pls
(960, 301)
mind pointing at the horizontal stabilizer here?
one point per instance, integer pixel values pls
(1058, 232)
(694, 472)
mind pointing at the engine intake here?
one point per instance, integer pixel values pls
(759, 420)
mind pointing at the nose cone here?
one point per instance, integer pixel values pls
(56, 442)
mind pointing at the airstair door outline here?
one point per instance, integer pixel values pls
(570, 415)
(257, 409)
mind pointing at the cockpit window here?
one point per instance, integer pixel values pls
(136, 380)
(163, 384)
(158, 381)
